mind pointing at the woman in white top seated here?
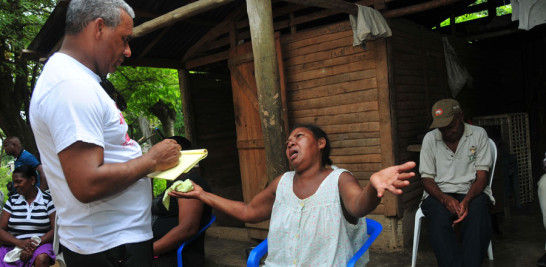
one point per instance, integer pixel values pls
(316, 211)
(27, 214)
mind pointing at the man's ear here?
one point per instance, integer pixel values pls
(98, 27)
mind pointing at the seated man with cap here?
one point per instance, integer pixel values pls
(454, 166)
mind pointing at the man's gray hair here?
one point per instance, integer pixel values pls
(81, 12)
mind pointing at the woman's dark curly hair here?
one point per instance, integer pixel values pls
(26, 171)
(319, 133)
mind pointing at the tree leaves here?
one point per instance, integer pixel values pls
(144, 87)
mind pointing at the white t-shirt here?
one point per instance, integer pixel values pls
(313, 231)
(69, 105)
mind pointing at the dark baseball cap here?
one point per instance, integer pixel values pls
(443, 112)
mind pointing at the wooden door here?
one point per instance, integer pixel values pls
(250, 142)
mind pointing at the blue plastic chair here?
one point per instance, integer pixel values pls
(179, 251)
(374, 229)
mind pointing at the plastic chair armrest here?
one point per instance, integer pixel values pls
(256, 254)
(374, 229)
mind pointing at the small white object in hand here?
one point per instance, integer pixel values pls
(15, 254)
(179, 186)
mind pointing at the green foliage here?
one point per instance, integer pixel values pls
(143, 87)
(159, 186)
(20, 22)
(502, 10)
(5, 177)
(466, 17)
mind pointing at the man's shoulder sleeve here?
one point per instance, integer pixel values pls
(427, 159)
(75, 112)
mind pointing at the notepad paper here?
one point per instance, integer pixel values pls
(188, 159)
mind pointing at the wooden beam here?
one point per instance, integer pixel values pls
(141, 13)
(351, 8)
(417, 8)
(154, 42)
(491, 34)
(266, 71)
(379, 4)
(213, 33)
(370, 2)
(176, 15)
(153, 62)
(192, 64)
(338, 5)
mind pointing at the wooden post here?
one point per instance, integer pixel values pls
(187, 108)
(384, 81)
(266, 71)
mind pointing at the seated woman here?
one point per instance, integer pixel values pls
(29, 212)
(316, 211)
(182, 221)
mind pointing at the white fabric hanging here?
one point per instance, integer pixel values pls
(368, 25)
(530, 13)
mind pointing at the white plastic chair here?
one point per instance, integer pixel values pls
(56, 249)
(419, 214)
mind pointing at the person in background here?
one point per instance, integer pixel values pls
(454, 165)
(183, 219)
(541, 262)
(28, 213)
(316, 211)
(14, 148)
(96, 172)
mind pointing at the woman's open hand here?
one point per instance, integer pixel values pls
(392, 178)
(195, 193)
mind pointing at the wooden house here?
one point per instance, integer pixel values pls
(250, 70)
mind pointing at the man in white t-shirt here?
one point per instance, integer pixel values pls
(96, 173)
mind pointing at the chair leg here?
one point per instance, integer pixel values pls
(416, 234)
(490, 251)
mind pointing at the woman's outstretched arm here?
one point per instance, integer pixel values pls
(258, 210)
(360, 201)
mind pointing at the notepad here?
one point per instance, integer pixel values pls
(188, 159)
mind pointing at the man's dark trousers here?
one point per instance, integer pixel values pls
(127, 255)
(476, 231)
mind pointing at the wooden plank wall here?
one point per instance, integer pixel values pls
(333, 85)
(215, 130)
(418, 79)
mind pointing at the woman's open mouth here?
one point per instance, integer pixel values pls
(293, 153)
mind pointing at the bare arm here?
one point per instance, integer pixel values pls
(359, 202)
(5, 237)
(258, 210)
(189, 217)
(433, 190)
(43, 179)
(90, 179)
(48, 237)
(477, 187)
